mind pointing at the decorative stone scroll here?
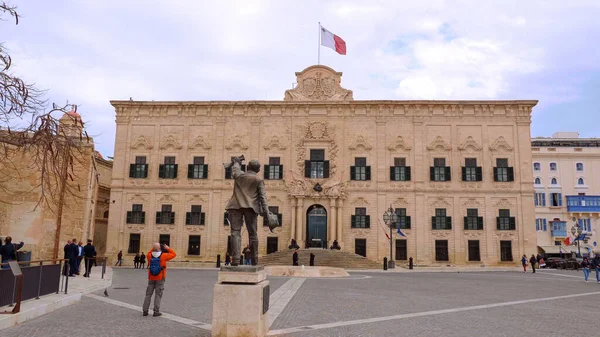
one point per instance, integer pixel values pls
(500, 144)
(318, 83)
(275, 143)
(399, 143)
(470, 144)
(237, 142)
(439, 144)
(172, 142)
(200, 142)
(360, 141)
(142, 142)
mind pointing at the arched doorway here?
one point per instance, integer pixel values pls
(316, 226)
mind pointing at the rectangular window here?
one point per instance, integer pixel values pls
(196, 216)
(274, 171)
(165, 216)
(164, 239)
(471, 172)
(441, 250)
(502, 172)
(168, 170)
(474, 250)
(506, 251)
(134, 243)
(555, 199)
(360, 247)
(540, 199)
(440, 220)
(317, 167)
(198, 170)
(139, 169)
(505, 221)
(400, 173)
(473, 221)
(541, 225)
(194, 245)
(360, 219)
(136, 215)
(272, 245)
(360, 171)
(403, 219)
(439, 171)
(401, 250)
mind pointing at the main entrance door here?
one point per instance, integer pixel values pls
(316, 226)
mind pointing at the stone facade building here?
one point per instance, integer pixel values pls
(37, 226)
(458, 174)
(567, 192)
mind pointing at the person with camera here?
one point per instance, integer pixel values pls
(157, 273)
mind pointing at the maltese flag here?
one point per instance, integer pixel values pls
(328, 39)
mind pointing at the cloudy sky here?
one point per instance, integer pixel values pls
(89, 52)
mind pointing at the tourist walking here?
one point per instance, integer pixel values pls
(524, 263)
(9, 251)
(596, 266)
(89, 254)
(533, 261)
(142, 261)
(157, 273)
(119, 259)
(247, 255)
(136, 261)
(295, 258)
(585, 265)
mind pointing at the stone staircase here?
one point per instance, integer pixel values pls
(323, 257)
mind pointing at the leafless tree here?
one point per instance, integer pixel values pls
(30, 134)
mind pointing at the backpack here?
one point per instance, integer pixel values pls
(154, 266)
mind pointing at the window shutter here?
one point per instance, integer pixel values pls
(161, 171)
(280, 218)
(280, 171)
(407, 222)
(495, 174)
(128, 219)
(145, 170)
(448, 222)
(464, 173)
(433, 222)
(512, 223)
(479, 173)
(143, 217)
(448, 173)
(407, 173)
(544, 199)
(368, 173)
(188, 218)
(353, 221)
(511, 174)
(479, 222)
(392, 173)
(545, 224)
(559, 199)
(326, 169)
(535, 199)
(498, 222)
(172, 216)
(466, 221)
(307, 169)
(205, 171)
(352, 173)
(228, 173)
(266, 169)
(157, 217)
(190, 171)
(367, 221)
(432, 173)
(202, 218)
(175, 173)
(225, 219)
(131, 170)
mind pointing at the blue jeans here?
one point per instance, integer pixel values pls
(586, 273)
(248, 262)
(597, 274)
(6, 266)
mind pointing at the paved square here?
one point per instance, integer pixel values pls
(548, 303)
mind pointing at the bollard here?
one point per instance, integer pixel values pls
(385, 266)
(410, 263)
(218, 260)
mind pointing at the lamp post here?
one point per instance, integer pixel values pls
(576, 229)
(390, 218)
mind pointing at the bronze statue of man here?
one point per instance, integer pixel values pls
(249, 200)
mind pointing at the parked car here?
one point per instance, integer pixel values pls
(555, 262)
(574, 263)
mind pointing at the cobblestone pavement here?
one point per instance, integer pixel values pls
(548, 303)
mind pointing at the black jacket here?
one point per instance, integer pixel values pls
(9, 251)
(89, 250)
(73, 251)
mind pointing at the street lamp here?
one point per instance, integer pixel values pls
(576, 229)
(390, 218)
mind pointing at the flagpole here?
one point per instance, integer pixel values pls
(319, 53)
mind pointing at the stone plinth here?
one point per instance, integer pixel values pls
(298, 271)
(240, 302)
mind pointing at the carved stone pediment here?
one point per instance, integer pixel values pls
(200, 142)
(440, 202)
(170, 141)
(399, 143)
(472, 202)
(500, 144)
(360, 141)
(400, 202)
(360, 201)
(470, 144)
(318, 83)
(142, 142)
(237, 143)
(166, 199)
(439, 144)
(275, 143)
(196, 198)
(137, 197)
(503, 203)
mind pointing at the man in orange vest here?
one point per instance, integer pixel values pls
(157, 273)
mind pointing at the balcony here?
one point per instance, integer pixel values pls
(583, 203)
(559, 229)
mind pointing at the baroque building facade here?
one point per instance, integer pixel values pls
(457, 173)
(567, 192)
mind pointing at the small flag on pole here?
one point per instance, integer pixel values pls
(328, 39)
(400, 232)
(567, 241)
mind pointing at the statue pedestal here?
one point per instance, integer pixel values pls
(241, 302)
